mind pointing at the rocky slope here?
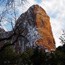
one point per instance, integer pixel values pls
(37, 29)
(32, 28)
(1, 36)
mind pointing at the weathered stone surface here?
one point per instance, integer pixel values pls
(37, 29)
(1, 36)
(32, 28)
(44, 29)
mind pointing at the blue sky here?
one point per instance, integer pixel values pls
(54, 8)
(38, 1)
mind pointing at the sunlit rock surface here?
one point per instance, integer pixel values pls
(35, 26)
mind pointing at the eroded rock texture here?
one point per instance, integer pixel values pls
(32, 28)
(37, 29)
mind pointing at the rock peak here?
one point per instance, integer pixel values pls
(37, 29)
(37, 9)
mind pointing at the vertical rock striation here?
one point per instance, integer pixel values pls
(35, 24)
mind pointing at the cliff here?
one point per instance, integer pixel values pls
(35, 24)
(32, 29)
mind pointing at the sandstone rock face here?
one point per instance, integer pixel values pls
(44, 29)
(35, 26)
(32, 28)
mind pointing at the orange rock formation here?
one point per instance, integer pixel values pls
(44, 29)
